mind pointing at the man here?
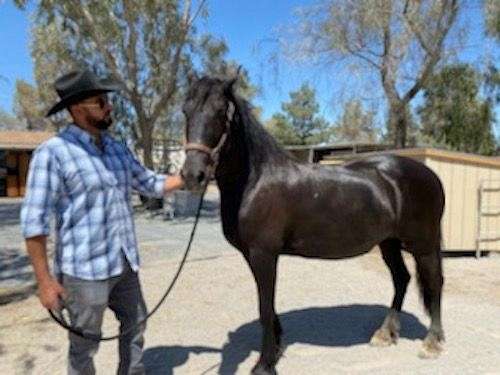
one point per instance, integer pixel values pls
(85, 178)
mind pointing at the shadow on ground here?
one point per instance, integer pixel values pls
(324, 326)
(161, 360)
(9, 212)
(16, 276)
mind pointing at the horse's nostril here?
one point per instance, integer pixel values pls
(201, 177)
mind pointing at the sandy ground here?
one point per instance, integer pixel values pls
(328, 310)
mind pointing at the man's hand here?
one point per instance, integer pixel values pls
(49, 292)
(172, 183)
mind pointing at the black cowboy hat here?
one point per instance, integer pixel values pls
(78, 85)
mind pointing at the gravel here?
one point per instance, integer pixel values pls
(209, 324)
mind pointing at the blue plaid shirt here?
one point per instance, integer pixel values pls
(89, 191)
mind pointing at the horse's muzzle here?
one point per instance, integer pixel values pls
(196, 171)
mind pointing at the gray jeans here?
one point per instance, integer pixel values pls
(86, 303)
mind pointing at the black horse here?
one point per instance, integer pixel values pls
(272, 205)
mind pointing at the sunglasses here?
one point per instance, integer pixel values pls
(100, 102)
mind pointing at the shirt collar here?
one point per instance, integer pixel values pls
(85, 136)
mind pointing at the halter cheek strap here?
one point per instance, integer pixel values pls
(213, 153)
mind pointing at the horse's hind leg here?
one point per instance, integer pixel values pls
(430, 275)
(388, 333)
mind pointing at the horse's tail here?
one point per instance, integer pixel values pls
(429, 272)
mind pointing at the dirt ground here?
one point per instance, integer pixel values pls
(328, 309)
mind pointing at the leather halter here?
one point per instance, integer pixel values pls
(214, 152)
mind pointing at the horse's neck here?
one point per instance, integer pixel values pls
(260, 147)
(246, 157)
(242, 162)
(232, 176)
(234, 165)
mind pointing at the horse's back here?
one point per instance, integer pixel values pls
(418, 194)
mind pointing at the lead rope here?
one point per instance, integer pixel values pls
(63, 323)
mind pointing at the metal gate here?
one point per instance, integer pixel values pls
(488, 213)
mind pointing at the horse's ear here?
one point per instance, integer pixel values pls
(238, 71)
(230, 84)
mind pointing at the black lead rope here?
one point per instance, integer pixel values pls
(63, 323)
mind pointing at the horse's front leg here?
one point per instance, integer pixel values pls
(263, 266)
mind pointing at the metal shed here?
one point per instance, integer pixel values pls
(471, 220)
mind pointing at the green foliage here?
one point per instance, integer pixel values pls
(492, 84)
(356, 124)
(400, 40)
(146, 46)
(28, 107)
(454, 114)
(300, 123)
(492, 17)
(9, 122)
(281, 129)
(214, 63)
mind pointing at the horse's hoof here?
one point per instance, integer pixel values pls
(383, 337)
(262, 369)
(431, 349)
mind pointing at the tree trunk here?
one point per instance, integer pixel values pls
(147, 130)
(147, 147)
(398, 122)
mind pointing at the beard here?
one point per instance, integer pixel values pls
(104, 123)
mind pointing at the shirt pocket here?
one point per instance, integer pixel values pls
(84, 181)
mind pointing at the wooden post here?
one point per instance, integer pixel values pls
(12, 186)
(12, 180)
(23, 172)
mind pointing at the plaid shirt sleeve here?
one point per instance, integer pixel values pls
(145, 180)
(41, 194)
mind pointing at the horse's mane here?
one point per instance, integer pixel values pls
(261, 146)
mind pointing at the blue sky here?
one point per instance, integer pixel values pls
(248, 27)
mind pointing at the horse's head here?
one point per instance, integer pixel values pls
(208, 109)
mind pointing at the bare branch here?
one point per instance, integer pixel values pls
(434, 55)
(414, 29)
(196, 13)
(172, 82)
(132, 62)
(387, 69)
(111, 63)
(362, 57)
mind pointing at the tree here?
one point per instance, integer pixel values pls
(28, 108)
(281, 129)
(402, 41)
(492, 84)
(492, 17)
(356, 124)
(9, 122)
(300, 123)
(146, 46)
(454, 114)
